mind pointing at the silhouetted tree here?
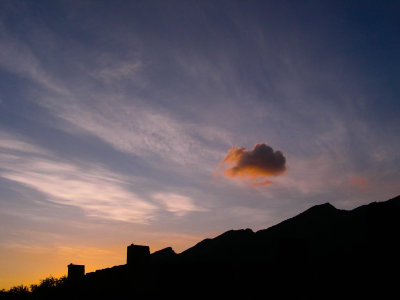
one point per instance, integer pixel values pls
(48, 286)
(16, 292)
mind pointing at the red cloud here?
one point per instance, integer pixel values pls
(262, 161)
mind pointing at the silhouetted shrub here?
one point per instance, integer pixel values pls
(16, 292)
(48, 286)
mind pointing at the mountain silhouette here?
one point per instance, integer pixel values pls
(228, 246)
(319, 232)
(166, 255)
(323, 252)
(324, 246)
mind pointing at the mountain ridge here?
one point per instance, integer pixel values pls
(320, 232)
(322, 245)
(326, 207)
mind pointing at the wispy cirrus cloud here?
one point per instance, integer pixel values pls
(97, 191)
(114, 117)
(133, 130)
(114, 72)
(18, 58)
(9, 144)
(177, 204)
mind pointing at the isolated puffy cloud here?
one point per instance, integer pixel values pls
(260, 162)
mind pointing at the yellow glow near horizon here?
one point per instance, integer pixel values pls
(28, 265)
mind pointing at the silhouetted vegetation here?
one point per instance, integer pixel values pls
(16, 292)
(48, 287)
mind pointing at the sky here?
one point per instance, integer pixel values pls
(162, 123)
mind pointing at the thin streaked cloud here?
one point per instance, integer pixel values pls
(96, 190)
(140, 132)
(179, 205)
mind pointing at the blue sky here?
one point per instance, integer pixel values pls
(115, 117)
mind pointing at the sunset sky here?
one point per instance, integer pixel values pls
(165, 122)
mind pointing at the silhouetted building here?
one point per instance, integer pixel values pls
(137, 255)
(76, 271)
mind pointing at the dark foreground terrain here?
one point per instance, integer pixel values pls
(321, 253)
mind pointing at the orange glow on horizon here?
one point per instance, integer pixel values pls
(29, 265)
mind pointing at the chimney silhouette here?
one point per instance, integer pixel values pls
(76, 271)
(137, 255)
